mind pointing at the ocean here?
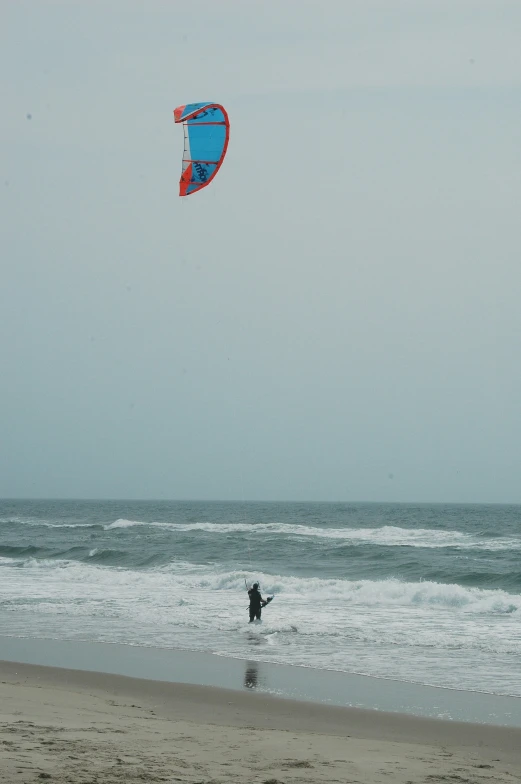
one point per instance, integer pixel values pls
(423, 593)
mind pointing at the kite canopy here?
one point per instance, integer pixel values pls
(207, 130)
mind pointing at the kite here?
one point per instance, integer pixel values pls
(207, 131)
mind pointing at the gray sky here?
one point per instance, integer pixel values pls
(337, 317)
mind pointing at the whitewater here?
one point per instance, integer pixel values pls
(422, 593)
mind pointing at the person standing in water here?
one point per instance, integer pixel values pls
(256, 603)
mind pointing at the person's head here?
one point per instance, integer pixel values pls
(255, 586)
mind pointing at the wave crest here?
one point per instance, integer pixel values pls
(387, 535)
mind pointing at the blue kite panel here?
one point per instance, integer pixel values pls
(206, 141)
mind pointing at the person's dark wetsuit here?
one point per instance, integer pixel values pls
(256, 603)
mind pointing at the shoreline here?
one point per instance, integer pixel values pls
(301, 684)
(82, 727)
(259, 662)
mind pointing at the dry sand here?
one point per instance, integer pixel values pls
(72, 726)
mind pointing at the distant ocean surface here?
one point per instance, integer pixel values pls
(422, 593)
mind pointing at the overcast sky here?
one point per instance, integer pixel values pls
(337, 317)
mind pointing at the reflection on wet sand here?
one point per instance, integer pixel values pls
(251, 675)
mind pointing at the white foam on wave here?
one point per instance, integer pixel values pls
(122, 523)
(386, 535)
(372, 593)
(362, 593)
(37, 522)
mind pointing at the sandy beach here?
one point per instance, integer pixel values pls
(74, 726)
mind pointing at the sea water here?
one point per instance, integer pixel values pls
(423, 593)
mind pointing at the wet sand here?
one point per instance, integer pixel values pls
(282, 680)
(79, 726)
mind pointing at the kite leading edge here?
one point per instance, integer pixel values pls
(207, 131)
